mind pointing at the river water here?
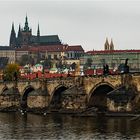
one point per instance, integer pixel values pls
(31, 126)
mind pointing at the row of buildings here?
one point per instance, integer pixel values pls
(114, 58)
(51, 47)
(56, 52)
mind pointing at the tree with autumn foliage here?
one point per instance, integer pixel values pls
(11, 72)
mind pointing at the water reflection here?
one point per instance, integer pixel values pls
(29, 126)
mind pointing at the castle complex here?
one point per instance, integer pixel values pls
(50, 47)
(37, 46)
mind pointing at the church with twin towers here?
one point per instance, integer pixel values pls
(24, 37)
(107, 46)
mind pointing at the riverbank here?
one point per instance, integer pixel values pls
(74, 113)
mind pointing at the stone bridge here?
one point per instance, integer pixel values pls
(71, 93)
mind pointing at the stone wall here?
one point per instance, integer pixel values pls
(37, 101)
(74, 102)
(119, 107)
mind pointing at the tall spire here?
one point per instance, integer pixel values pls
(106, 45)
(38, 34)
(12, 37)
(13, 30)
(38, 30)
(111, 45)
(19, 37)
(19, 31)
(26, 27)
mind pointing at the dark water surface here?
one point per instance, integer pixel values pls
(30, 126)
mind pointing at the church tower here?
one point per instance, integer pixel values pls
(26, 27)
(111, 45)
(26, 34)
(106, 45)
(12, 42)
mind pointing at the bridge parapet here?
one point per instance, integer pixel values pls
(21, 85)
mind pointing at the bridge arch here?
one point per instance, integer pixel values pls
(4, 89)
(56, 97)
(24, 97)
(98, 95)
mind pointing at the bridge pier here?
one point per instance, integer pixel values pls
(10, 99)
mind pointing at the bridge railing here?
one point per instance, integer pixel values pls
(62, 77)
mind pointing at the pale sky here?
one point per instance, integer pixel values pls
(77, 22)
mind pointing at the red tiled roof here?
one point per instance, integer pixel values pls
(112, 51)
(34, 49)
(75, 48)
(22, 49)
(52, 48)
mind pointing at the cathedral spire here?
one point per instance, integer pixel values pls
(12, 37)
(38, 31)
(38, 34)
(13, 30)
(26, 27)
(19, 31)
(19, 37)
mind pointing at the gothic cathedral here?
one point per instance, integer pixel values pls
(25, 38)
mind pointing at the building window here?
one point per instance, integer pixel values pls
(71, 55)
(75, 55)
(55, 56)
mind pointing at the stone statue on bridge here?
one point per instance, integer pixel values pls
(105, 69)
(126, 67)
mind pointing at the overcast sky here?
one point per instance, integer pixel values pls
(83, 22)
